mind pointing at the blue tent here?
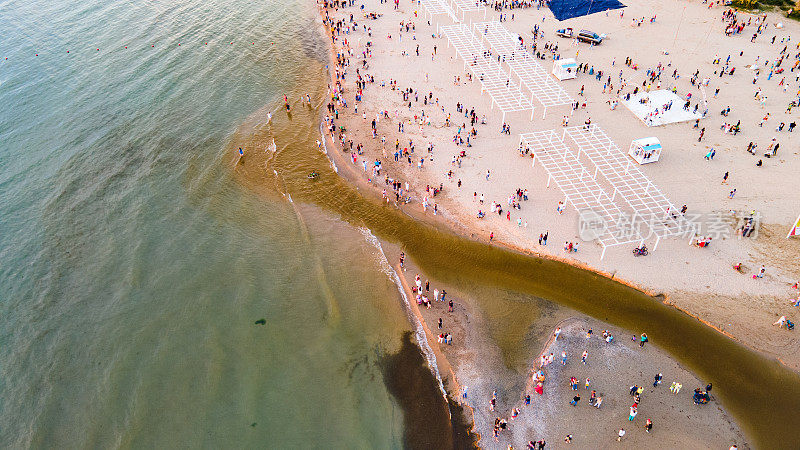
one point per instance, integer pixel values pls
(567, 9)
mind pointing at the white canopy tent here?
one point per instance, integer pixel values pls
(645, 150)
(565, 69)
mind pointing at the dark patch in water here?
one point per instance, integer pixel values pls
(463, 437)
(426, 414)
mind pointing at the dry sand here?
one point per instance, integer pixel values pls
(699, 281)
(685, 36)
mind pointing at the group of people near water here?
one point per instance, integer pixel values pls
(576, 386)
(419, 108)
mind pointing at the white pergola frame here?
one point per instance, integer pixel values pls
(505, 93)
(438, 7)
(580, 189)
(521, 63)
(466, 6)
(627, 180)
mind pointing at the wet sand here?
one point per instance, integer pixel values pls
(462, 262)
(481, 361)
(690, 278)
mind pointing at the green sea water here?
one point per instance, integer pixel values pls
(134, 259)
(132, 264)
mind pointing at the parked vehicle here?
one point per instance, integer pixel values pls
(564, 32)
(590, 37)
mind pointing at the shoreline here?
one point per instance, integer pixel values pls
(453, 222)
(619, 366)
(450, 224)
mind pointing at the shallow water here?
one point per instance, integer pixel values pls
(134, 266)
(761, 393)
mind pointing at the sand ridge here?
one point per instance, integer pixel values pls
(690, 277)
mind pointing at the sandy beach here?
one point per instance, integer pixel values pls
(473, 363)
(690, 277)
(400, 98)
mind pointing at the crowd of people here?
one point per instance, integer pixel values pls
(421, 111)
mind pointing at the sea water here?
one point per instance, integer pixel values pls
(133, 266)
(135, 256)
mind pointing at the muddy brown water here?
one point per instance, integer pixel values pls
(762, 394)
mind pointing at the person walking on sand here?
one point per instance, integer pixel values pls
(657, 379)
(632, 414)
(575, 400)
(583, 357)
(648, 425)
(491, 236)
(621, 434)
(563, 358)
(643, 339)
(556, 333)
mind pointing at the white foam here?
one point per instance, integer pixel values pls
(324, 149)
(419, 332)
